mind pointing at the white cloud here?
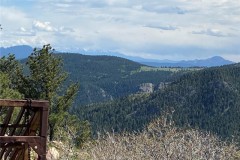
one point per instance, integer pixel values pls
(62, 5)
(212, 32)
(22, 29)
(176, 28)
(166, 27)
(11, 18)
(43, 26)
(63, 29)
(21, 32)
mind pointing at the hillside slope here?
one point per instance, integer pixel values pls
(208, 99)
(104, 78)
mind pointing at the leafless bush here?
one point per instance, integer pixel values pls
(64, 144)
(160, 140)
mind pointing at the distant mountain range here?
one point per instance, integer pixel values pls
(210, 62)
(23, 51)
(20, 52)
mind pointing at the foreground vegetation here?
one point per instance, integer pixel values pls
(207, 99)
(160, 140)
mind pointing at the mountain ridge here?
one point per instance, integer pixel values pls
(20, 52)
(209, 62)
(23, 51)
(104, 78)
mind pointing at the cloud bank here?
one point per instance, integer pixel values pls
(177, 29)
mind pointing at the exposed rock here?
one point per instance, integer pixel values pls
(53, 154)
(163, 85)
(146, 87)
(104, 94)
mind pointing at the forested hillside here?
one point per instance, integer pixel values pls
(104, 78)
(208, 99)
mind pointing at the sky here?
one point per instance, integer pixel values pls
(152, 29)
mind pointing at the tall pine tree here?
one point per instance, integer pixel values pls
(44, 79)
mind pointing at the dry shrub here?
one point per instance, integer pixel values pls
(160, 140)
(64, 145)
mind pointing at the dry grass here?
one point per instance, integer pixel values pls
(160, 140)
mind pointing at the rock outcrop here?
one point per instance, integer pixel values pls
(146, 87)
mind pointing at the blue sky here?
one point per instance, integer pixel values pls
(155, 29)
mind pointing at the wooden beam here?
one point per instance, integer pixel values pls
(6, 121)
(17, 121)
(34, 141)
(13, 125)
(26, 151)
(16, 139)
(23, 103)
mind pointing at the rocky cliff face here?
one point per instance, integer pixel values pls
(150, 88)
(146, 87)
(162, 85)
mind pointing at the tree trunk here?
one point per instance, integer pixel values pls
(51, 130)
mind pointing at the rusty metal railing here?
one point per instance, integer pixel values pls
(23, 127)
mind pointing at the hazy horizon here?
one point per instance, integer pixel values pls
(109, 53)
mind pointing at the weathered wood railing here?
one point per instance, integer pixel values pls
(23, 127)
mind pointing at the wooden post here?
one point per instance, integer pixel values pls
(25, 152)
(17, 138)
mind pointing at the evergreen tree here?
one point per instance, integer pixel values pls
(44, 80)
(5, 89)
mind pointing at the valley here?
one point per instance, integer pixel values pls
(207, 99)
(112, 95)
(104, 78)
